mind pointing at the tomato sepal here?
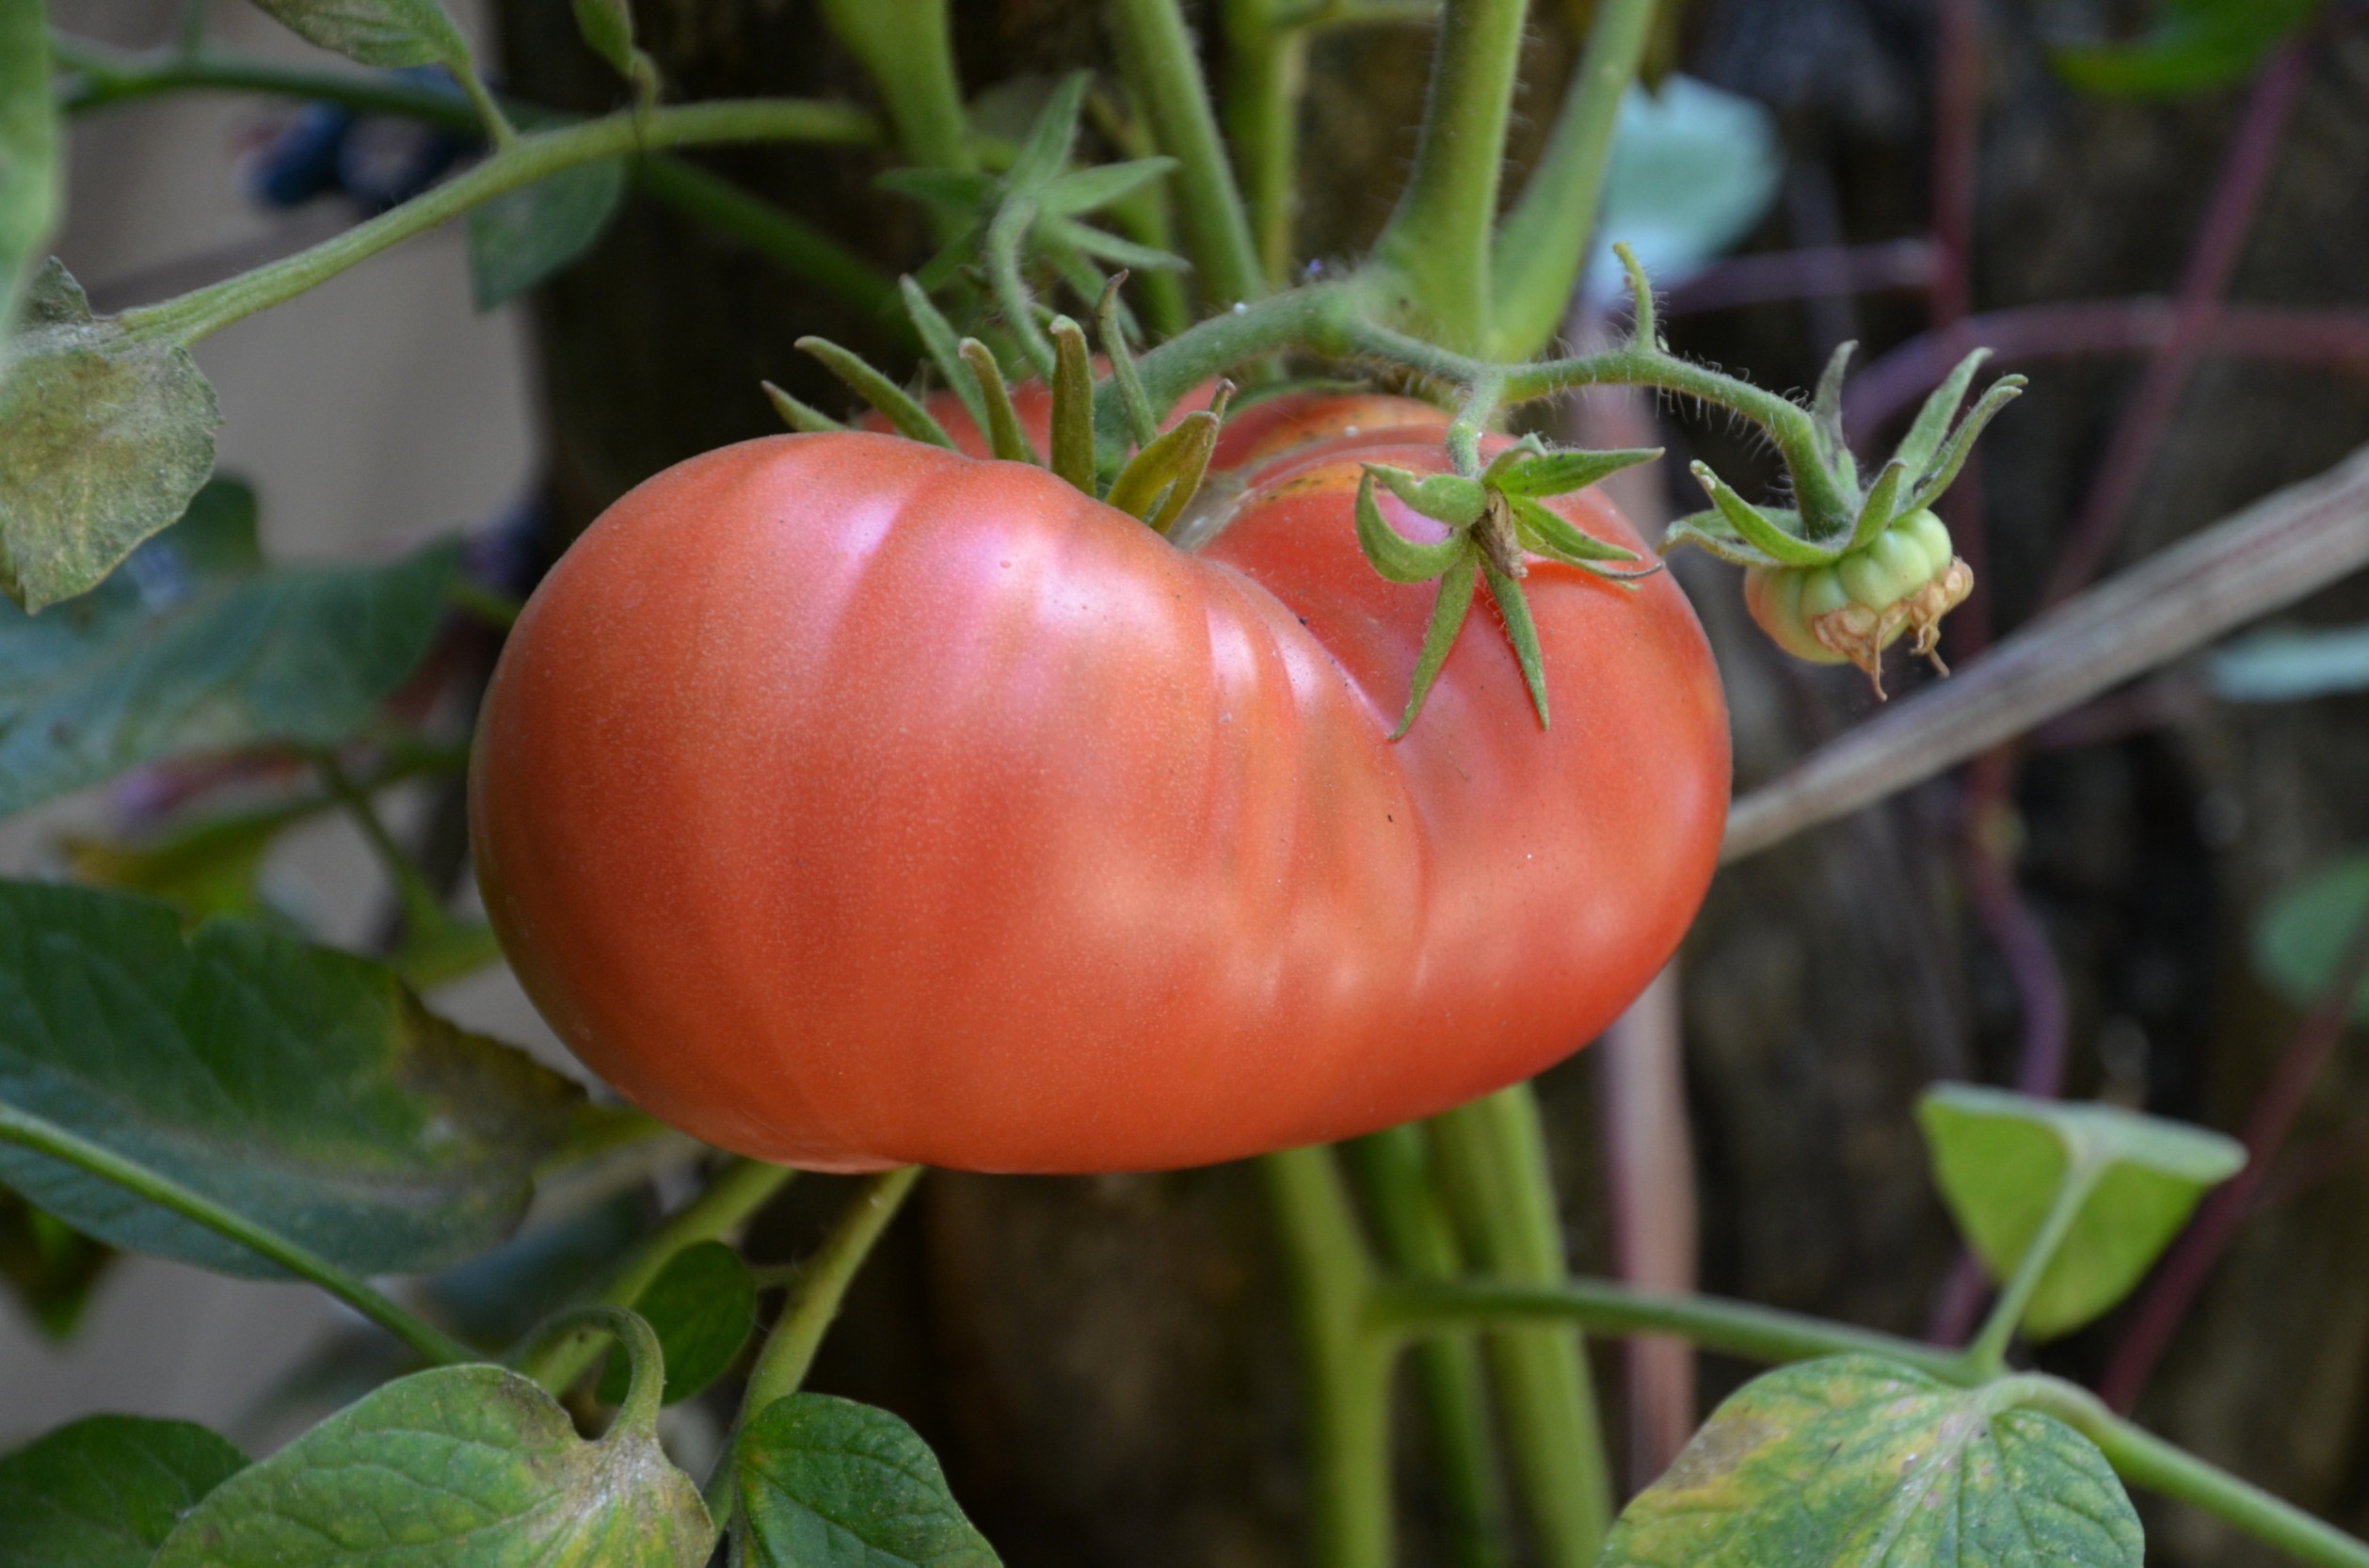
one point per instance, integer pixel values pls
(805, 417)
(890, 401)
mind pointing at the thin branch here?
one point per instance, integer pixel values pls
(45, 1137)
(2280, 549)
(1892, 384)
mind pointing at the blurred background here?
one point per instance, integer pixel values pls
(2171, 236)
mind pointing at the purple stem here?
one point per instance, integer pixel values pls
(2245, 172)
(1775, 275)
(2338, 336)
(2182, 1275)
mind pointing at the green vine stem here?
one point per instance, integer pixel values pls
(1417, 1308)
(908, 48)
(1164, 75)
(1347, 1364)
(789, 1351)
(1543, 242)
(1492, 1160)
(1988, 1350)
(45, 1137)
(1435, 249)
(201, 312)
(1266, 72)
(646, 1387)
(1419, 1242)
(717, 1214)
(103, 78)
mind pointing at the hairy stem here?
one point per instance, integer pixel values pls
(1420, 1244)
(1436, 248)
(531, 158)
(1493, 1159)
(1346, 1364)
(908, 48)
(45, 1137)
(789, 1351)
(1733, 1328)
(718, 1214)
(1163, 75)
(1267, 70)
(106, 78)
(1543, 242)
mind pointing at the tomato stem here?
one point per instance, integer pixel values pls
(532, 157)
(717, 1214)
(1434, 257)
(1492, 1157)
(1164, 75)
(1347, 1364)
(1543, 245)
(789, 1351)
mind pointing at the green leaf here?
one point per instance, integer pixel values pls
(703, 1304)
(2000, 1160)
(1047, 150)
(829, 1484)
(518, 240)
(1882, 506)
(106, 1491)
(1391, 552)
(47, 1265)
(1158, 482)
(1561, 472)
(1953, 454)
(28, 152)
(1758, 529)
(304, 1088)
(1088, 190)
(945, 350)
(2195, 45)
(1916, 449)
(203, 868)
(104, 438)
(607, 26)
(959, 190)
(2302, 936)
(177, 655)
(1453, 499)
(459, 1468)
(1521, 630)
(392, 34)
(1439, 637)
(1073, 405)
(1711, 532)
(1005, 437)
(1826, 417)
(2291, 664)
(1853, 1460)
(1548, 533)
(892, 402)
(804, 418)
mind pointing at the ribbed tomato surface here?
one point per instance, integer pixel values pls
(846, 802)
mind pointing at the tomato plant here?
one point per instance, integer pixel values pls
(1237, 725)
(1117, 868)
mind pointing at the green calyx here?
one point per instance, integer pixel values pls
(1156, 484)
(1839, 590)
(1033, 214)
(1907, 578)
(1495, 520)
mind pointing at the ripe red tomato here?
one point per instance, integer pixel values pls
(848, 802)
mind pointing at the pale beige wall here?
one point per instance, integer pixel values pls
(374, 410)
